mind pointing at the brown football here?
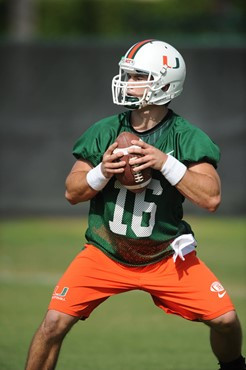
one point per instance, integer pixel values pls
(134, 181)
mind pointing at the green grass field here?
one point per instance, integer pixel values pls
(127, 332)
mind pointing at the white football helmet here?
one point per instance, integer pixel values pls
(164, 66)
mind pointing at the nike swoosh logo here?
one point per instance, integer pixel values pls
(170, 152)
(221, 295)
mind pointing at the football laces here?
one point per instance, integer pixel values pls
(138, 176)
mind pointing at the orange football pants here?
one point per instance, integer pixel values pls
(185, 288)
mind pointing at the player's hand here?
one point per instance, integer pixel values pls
(111, 163)
(150, 156)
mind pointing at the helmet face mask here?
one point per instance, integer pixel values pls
(163, 67)
(123, 86)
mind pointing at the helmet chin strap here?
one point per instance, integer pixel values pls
(132, 99)
(135, 99)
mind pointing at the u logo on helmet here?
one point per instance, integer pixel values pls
(165, 62)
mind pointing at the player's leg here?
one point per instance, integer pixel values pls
(74, 298)
(90, 279)
(47, 341)
(189, 289)
(226, 340)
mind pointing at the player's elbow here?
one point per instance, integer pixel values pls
(70, 198)
(213, 203)
(74, 197)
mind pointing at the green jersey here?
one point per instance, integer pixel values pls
(137, 229)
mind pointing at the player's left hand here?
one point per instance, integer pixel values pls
(150, 156)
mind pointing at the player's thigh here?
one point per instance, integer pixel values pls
(190, 289)
(90, 279)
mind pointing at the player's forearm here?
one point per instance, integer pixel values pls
(77, 188)
(201, 189)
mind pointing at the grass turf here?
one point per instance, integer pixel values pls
(127, 331)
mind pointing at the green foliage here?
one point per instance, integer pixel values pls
(127, 331)
(129, 18)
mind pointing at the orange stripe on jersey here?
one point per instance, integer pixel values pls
(135, 48)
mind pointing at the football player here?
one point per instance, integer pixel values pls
(140, 241)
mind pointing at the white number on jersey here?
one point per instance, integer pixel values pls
(140, 207)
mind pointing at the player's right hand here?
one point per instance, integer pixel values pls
(111, 163)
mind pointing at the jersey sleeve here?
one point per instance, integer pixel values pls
(94, 142)
(196, 146)
(88, 147)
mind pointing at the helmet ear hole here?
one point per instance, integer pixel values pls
(166, 87)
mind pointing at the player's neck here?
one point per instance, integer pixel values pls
(146, 118)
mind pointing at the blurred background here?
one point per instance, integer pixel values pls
(57, 60)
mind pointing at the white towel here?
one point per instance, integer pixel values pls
(183, 245)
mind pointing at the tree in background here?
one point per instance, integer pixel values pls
(52, 19)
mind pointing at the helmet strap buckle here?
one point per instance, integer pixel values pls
(163, 71)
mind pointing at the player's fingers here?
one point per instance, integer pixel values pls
(115, 170)
(140, 147)
(139, 160)
(115, 167)
(142, 167)
(111, 157)
(136, 150)
(117, 155)
(111, 168)
(112, 165)
(140, 143)
(111, 148)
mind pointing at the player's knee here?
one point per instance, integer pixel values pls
(56, 325)
(225, 323)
